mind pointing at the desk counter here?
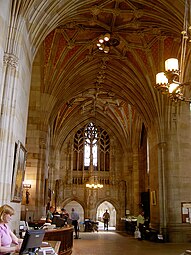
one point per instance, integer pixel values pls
(65, 235)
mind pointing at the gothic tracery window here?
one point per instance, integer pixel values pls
(91, 138)
(90, 144)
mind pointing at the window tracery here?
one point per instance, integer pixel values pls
(91, 141)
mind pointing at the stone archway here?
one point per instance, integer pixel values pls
(78, 208)
(112, 211)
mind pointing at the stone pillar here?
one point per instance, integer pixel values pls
(69, 163)
(90, 199)
(112, 161)
(122, 186)
(162, 188)
(7, 142)
(135, 186)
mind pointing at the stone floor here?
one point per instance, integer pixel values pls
(119, 243)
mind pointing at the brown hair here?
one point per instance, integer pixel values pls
(5, 209)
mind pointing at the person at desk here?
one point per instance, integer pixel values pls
(75, 217)
(7, 237)
(64, 215)
(49, 215)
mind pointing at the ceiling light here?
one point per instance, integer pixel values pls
(106, 41)
(106, 37)
(101, 39)
(106, 49)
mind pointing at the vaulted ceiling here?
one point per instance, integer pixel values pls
(117, 88)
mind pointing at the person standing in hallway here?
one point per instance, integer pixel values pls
(7, 237)
(106, 218)
(75, 217)
(140, 223)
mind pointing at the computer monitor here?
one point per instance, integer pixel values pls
(59, 222)
(32, 241)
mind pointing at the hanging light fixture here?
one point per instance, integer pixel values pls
(106, 41)
(93, 183)
(171, 80)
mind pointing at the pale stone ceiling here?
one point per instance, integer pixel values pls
(118, 87)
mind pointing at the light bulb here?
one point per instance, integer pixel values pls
(171, 64)
(173, 87)
(101, 39)
(161, 78)
(107, 37)
(106, 49)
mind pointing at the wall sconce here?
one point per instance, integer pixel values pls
(27, 186)
(169, 82)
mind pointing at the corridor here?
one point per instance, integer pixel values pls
(118, 243)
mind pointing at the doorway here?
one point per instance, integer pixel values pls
(100, 211)
(79, 209)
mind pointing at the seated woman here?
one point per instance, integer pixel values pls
(7, 237)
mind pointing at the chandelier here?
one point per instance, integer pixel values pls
(106, 41)
(93, 183)
(170, 81)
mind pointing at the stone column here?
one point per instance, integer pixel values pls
(69, 163)
(91, 198)
(135, 186)
(122, 187)
(7, 142)
(162, 188)
(112, 161)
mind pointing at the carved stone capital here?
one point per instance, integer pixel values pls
(11, 60)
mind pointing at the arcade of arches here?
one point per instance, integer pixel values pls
(83, 113)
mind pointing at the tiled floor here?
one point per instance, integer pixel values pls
(116, 243)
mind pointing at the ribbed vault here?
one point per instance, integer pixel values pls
(117, 88)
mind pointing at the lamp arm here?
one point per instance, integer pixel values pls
(173, 77)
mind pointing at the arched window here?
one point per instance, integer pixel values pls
(90, 144)
(91, 141)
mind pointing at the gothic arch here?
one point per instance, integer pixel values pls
(114, 202)
(68, 200)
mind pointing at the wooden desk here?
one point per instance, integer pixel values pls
(65, 235)
(55, 245)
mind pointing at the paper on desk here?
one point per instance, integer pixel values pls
(46, 250)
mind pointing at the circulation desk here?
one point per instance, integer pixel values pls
(65, 235)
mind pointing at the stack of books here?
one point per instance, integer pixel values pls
(46, 248)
